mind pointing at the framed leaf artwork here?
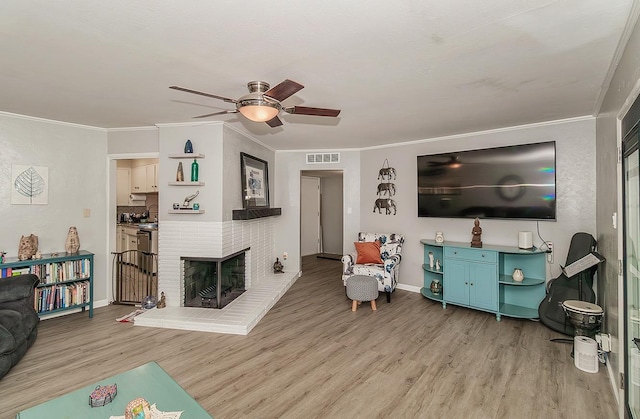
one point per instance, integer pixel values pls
(29, 185)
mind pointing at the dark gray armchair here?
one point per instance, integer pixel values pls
(18, 319)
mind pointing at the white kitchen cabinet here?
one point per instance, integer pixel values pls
(123, 186)
(120, 239)
(144, 179)
(130, 238)
(139, 179)
(151, 178)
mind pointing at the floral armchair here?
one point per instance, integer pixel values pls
(383, 268)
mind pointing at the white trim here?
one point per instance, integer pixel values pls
(52, 121)
(490, 131)
(130, 156)
(248, 136)
(405, 287)
(633, 95)
(617, 55)
(224, 125)
(451, 137)
(187, 124)
(151, 128)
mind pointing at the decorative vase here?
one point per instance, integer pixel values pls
(518, 275)
(431, 260)
(436, 287)
(188, 147)
(72, 245)
(194, 171)
(180, 173)
(437, 264)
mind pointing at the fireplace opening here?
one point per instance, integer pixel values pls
(213, 282)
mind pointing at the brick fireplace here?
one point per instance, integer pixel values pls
(217, 240)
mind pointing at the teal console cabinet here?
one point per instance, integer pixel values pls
(480, 278)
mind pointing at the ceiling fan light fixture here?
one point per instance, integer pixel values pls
(258, 109)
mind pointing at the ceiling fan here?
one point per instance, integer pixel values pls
(262, 104)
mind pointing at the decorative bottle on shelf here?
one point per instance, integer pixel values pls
(180, 173)
(194, 171)
(188, 147)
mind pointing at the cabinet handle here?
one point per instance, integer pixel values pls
(472, 284)
(466, 283)
(483, 255)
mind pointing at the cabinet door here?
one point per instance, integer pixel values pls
(456, 285)
(123, 186)
(118, 240)
(483, 286)
(132, 242)
(139, 179)
(152, 178)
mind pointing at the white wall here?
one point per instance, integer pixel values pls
(575, 178)
(623, 90)
(234, 144)
(75, 156)
(133, 140)
(289, 164)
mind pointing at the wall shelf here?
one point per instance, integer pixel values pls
(189, 211)
(187, 156)
(186, 183)
(252, 213)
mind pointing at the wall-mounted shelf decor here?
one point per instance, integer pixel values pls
(186, 211)
(386, 190)
(186, 183)
(187, 156)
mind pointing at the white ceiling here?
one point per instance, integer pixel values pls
(400, 71)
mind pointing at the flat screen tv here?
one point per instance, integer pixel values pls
(515, 182)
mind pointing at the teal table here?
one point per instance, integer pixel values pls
(148, 381)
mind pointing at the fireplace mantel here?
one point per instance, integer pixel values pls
(252, 213)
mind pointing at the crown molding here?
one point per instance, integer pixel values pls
(51, 121)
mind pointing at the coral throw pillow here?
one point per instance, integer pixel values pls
(368, 252)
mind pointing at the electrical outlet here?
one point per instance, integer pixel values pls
(550, 252)
(604, 340)
(285, 255)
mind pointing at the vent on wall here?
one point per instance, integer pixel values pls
(314, 158)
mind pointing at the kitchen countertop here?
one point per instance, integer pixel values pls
(140, 226)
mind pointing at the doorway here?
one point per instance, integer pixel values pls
(321, 213)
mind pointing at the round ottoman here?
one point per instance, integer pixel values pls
(362, 288)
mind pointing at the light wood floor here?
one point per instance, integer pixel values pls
(310, 356)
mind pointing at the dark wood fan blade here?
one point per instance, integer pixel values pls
(226, 99)
(304, 110)
(274, 122)
(284, 90)
(216, 113)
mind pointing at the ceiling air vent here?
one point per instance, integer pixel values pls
(315, 158)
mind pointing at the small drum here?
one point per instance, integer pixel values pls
(585, 316)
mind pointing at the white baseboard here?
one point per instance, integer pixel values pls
(406, 287)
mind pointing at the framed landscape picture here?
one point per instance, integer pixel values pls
(255, 181)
